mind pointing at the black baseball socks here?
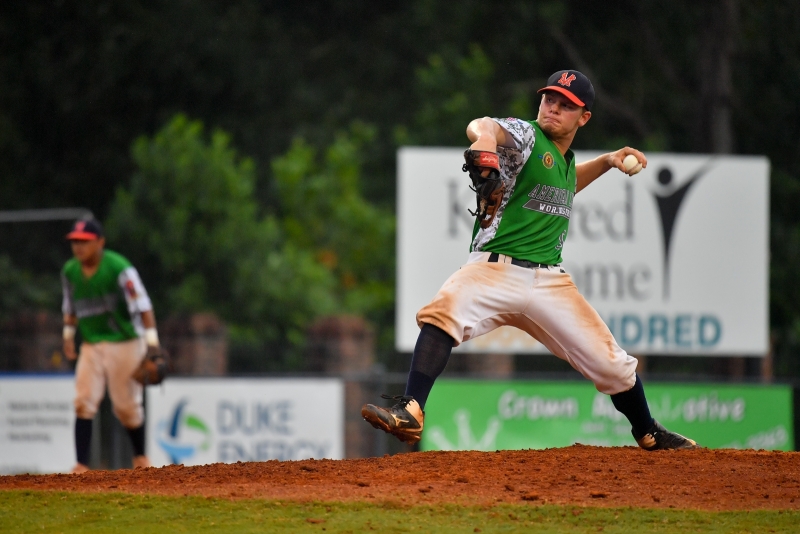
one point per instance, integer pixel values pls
(83, 439)
(633, 405)
(137, 439)
(431, 354)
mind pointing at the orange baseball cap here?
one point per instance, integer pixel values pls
(572, 84)
(85, 230)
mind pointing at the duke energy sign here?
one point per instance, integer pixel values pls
(202, 421)
(675, 259)
(471, 415)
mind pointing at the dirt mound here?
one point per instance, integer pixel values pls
(577, 475)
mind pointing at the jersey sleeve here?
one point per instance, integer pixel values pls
(134, 291)
(524, 137)
(67, 306)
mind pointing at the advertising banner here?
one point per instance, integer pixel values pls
(675, 259)
(202, 421)
(37, 422)
(473, 415)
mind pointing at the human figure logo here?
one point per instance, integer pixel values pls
(669, 200)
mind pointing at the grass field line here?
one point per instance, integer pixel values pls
(44, 511)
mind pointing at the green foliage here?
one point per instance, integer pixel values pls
(29, 511)
(451, 91)
(22, 290)
(191, 224)
(323, 212)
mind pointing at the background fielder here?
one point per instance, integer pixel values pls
(525, 178)
(106, 301)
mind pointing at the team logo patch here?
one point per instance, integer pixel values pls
(566, 80)
(547, 160)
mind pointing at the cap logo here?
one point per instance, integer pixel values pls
(79, 226)
(566, 80)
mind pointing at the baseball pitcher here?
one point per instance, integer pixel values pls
(105, 301)
(525, 178)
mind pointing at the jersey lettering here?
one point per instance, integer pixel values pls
(551, 200)
(90, 307)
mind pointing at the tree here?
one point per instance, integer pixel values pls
(80, 81)
(191, 224)
(22, 290)
(323, 211)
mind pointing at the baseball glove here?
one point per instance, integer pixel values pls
(153, 368)
(488, 189)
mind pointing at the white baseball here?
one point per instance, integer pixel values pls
(631, 164)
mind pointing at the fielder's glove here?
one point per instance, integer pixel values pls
(153, 368)
(488, 189)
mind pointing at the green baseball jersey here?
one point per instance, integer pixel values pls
(532, 220)
(108, 304)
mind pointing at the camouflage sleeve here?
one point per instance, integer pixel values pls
(513, 158)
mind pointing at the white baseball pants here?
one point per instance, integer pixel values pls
(114, 364)
(543, 302)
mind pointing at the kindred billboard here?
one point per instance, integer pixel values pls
(675, 259)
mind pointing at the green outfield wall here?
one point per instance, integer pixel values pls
(484, 415)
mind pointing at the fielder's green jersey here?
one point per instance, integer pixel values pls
(108, 304)
(533, 218)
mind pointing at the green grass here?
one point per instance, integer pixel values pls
(37, 511)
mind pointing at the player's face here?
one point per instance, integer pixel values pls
(559, 117)
(85, 251)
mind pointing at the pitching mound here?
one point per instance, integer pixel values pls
(577, 475)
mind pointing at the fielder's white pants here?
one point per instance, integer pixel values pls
(543, 302)
(112, 364)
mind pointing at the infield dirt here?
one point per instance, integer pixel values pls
(579, 475)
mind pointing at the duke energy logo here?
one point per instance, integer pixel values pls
(183, 434)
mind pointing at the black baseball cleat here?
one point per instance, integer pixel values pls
(403, 420)
(659, 438)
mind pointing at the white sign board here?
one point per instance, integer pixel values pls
(675, 259)
(37, 422)
(203, 421)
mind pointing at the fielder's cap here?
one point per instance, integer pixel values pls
(86, 230)
(572, 84)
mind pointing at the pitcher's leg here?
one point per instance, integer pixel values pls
(574, 331)
(431, 354)
(633, 405)
(475, 300)
(405, 420)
